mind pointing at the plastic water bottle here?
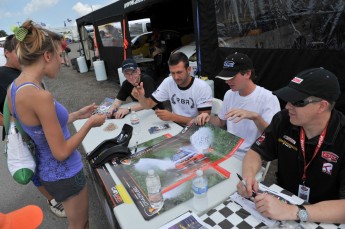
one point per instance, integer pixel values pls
(154, 189)
(199, 189)
(135, 122)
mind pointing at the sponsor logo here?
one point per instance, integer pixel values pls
(131, 3)
(297, 80)
(287, 144)
(228, 64)
(329, 156)
(174, 100)
(260, 139)
(289, 139)
(327, 168)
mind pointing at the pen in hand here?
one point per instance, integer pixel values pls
(245, 185)
(136, 147)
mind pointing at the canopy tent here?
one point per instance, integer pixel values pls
(281, 37)
(101, 18)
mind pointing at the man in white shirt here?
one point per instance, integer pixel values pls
(188, 96)
(247, 108)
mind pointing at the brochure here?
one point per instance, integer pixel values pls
(188, 220)
(104, 106)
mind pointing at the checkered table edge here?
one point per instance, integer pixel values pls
(231, 215)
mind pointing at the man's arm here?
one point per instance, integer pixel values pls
(238, 114)
(122, 112)
(330, 211)
(250, 167)
(166, 115)
(205, 117)
(116, 104)
(139, 93)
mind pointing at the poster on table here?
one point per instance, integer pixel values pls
(175, 160)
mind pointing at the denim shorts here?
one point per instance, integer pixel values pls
(61, 190)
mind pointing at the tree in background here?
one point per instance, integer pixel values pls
(3, 33)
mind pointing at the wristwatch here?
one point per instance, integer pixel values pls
(302, 213)
(129, 110)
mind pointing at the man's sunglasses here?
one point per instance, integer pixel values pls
(305, 102)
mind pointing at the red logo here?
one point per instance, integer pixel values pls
(329, 156)
(260, 139)
(297, 80)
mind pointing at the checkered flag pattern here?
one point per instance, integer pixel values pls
(231, 215)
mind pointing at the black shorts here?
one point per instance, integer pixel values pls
(61, 190)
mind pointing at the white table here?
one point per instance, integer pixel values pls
(147, 120)
(128, 215)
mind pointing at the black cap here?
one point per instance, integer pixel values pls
(317, 82)
(129, 64)
(233, 64)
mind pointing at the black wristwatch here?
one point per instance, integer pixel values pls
(302, 213)
(129, 110)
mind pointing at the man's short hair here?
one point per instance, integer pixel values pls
(10, 43)
(177, 57)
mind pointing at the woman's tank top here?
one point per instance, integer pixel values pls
(48, 168)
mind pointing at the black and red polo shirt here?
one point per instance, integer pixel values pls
(325, 175)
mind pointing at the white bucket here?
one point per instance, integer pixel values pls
(82, 64)
(121, 76)
(100, 70)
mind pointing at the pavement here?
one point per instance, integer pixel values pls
(74, 90)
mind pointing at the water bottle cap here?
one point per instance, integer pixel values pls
(151, 172)
(199, 172)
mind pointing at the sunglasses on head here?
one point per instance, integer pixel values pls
(305, 102)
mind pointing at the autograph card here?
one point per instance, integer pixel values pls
(158, 128)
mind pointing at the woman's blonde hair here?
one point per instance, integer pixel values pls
(36, 42)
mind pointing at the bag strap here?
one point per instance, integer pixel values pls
(7, 120)
(7, 114)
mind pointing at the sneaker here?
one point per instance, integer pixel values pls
(56, 208)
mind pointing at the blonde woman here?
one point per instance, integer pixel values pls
(59, 164)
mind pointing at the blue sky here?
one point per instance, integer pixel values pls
(53, 13)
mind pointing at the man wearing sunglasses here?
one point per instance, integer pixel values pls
(133, 76)
(308, 139)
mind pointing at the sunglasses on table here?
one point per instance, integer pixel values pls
(305, 102)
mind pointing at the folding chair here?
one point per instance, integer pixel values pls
(216, 105)
(264, 169)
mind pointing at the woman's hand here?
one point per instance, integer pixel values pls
(97, 120)
(87, 111)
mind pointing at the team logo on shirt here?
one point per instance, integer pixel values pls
(260, 139)
(329, 156)
(174, 99)
(289, 139)
(287, 144)
(327, 168)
